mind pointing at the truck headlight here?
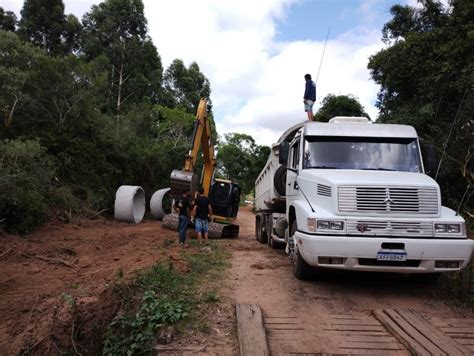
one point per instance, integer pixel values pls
(337, 225)
(448, 228)
(330, 225)
(454, 228)
(323, 225)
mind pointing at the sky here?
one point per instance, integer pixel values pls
(255, 53)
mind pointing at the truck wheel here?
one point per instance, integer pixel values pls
(259, 233)
(301, 269)
(263, 233)
(258, 229)
(272, 243)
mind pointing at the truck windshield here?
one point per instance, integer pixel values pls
(365, 153)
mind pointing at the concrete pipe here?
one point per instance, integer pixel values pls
(156, 203)
(129, 204)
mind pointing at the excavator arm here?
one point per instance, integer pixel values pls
(186, 179)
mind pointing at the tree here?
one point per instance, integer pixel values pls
(115, 33)
(8, 20)
(339, 105)
(19, 64)
(72, 34)
(184, 87)
(42, 23)
(240, 159)
(426, 75)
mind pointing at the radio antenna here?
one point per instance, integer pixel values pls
(322, 56)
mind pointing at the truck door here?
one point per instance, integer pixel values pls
(293, 162)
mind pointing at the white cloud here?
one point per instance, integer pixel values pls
(257, 82)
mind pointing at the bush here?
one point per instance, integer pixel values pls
(26, 172)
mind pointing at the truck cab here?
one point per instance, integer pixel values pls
(357, 198)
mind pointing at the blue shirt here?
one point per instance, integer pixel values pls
(310, 91)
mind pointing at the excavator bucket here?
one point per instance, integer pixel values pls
(182, 181)
(216, 230)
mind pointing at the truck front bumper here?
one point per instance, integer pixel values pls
(356, 253)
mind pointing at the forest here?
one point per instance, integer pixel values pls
(86, 106)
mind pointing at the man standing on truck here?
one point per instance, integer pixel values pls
(309, 96)
(182, 206)
(202, 211)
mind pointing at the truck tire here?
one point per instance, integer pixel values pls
(260, 234)
(279, 181)
(301, 269)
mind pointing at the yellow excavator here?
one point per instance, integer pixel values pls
(223, 194)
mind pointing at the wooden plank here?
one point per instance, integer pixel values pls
(433, 334)
(460, 336)
(364, 338)
(376, 352)
(372, 346)
(250, 330)
(421, 339)
(365, 333)
(466, 342)
(355, 328)
(457, 329)
(366, 322)
(406, 339)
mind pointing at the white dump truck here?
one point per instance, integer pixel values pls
(352, 194)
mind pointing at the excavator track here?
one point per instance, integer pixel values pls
(216, 230)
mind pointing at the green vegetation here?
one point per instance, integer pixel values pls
(239, 158)
(162, 296)
(339, 105)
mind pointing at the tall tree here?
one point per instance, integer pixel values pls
(339, 105)
(185, 86)
(426, 76)
(8, 20)
(42, 23)
(19, 64)
(240, 159)
(116, 30)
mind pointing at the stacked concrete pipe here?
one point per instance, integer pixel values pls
(129, 204)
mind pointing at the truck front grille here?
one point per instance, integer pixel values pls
(388, 200)
(389, 228)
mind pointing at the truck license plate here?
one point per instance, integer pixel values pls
(391, 256)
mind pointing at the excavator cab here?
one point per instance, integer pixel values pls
(225, 198)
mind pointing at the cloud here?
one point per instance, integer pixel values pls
(257, 82)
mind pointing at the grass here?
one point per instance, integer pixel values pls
(161, 296)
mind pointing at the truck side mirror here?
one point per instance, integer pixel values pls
(283, 152)
(429, 158)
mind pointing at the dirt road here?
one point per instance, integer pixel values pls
(320, 315)
(81, 260)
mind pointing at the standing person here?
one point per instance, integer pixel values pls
(182, 206)
(309, 96)
(202, 211)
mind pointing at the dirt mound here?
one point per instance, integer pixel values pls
(57, 285)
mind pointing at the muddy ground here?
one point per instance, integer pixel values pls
(57, 285)
(83, 259)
